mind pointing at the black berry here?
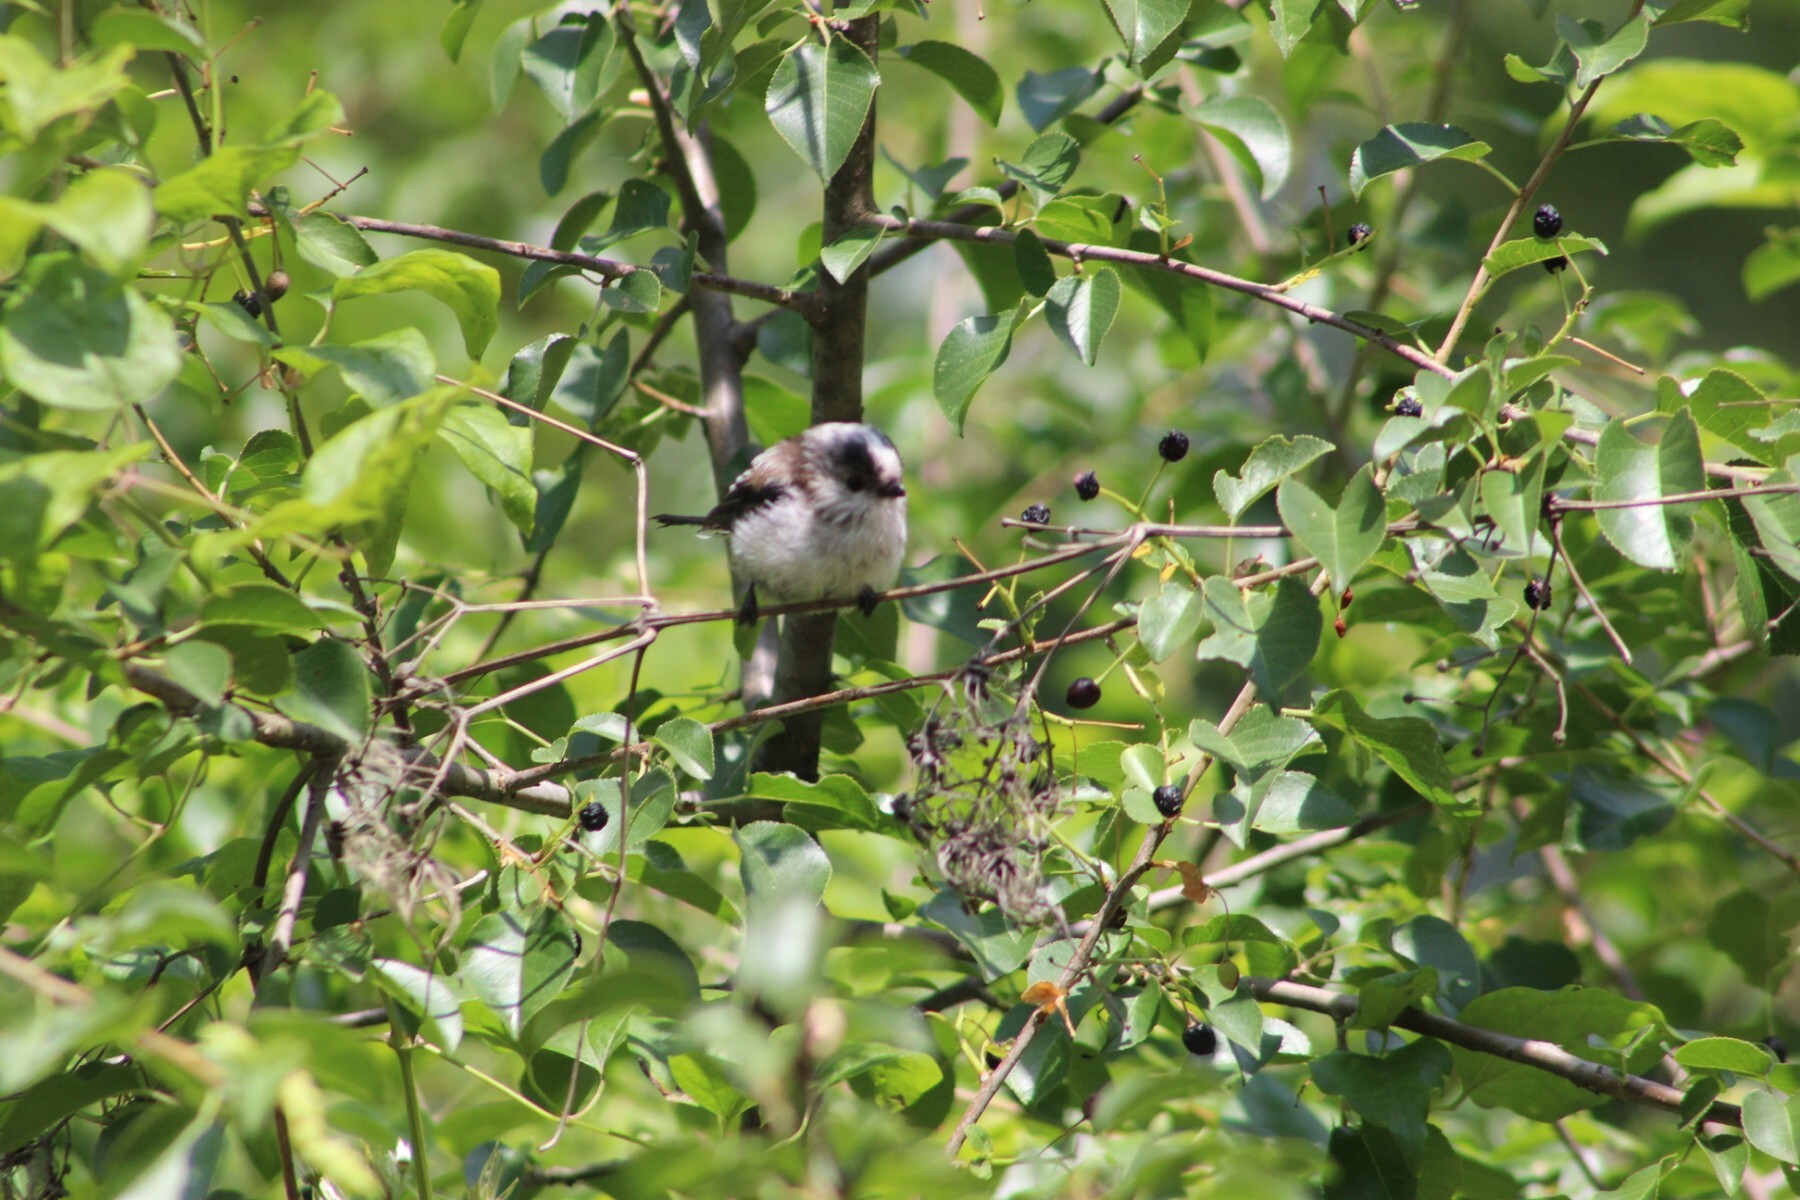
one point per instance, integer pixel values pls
(276, 285)
(250, 302)
(1087, 485)
(594, 817)
(1776, 1046)
(1200, 1039)
(1537, 594)
(1083, 693)
(1546, 222)
(1559, 263)
(1359, 232)
(1036, 514)
(1408, 406)
(1167, 799)
(1174, 446)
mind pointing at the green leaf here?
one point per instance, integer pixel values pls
(1081, 308)
(1735, 13)
(1393, 1091)
(516, 964)
(1290, 21)
(1407, 744)
(1728, 1155)
(383, 370)
(554, 165)
(1344, 538)
(455, 29)
(1649, 534)
(1048, 98)
(572, 63)
(47, 1104)
(38, 92)
(1271, 462)
(434, 998)
(1754, 932)
(1143, 25)
(1260, 740)
(1598, 57)
(332, 245)
(1709, 142)
(1047, 165)
(1773, 265)
(689, 743)
(498, 453)
(1036, 272)
(201, 667)
(997, 947)
(1168, 619)
(1380, 1000)
(1614, 811)
(1428, 941)
(330, 689)
(834, 802)
(640, 208)
(967, 73)
(1725, 1054)
(220, 183)
(1398, 147)
(638, 292)
(1254, 133)
(1773, 1125)
(43, 494)
(145, 30)
(470, 289)
(818, 99)
(1190, 307)
(781, 861)
(71, 337)
(1590, 1023)
(108, 214)
(972, 351)
(1272, 633)
(1523, 252)
(263, 606)
(849, 252)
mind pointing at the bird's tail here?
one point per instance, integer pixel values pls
(668, 519)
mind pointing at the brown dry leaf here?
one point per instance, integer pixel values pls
(1047, 997)
(1193, 886)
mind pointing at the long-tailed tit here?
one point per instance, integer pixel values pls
(819, 516)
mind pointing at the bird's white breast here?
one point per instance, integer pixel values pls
(794, 552)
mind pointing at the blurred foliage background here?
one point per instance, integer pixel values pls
(752, 1040)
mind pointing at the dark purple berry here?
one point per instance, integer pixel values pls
(1537, 594)
(1359, 233)
(1167, 799)
(1036, 514)
(250, 302)
(1087, 485)
(1200, 1039)
(1174, 446)
(1546, 222)
(1776, 1046)
(1083, 693)
(594, 817)
(1557, 264)
(1408, 406)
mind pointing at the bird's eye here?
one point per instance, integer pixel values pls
(854, 483)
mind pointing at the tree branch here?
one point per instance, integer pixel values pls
(1545, 1056)
(1087, 252)
(605, 267)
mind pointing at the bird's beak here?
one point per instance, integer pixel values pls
(892, 491)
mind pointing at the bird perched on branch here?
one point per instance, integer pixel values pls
(818, 516)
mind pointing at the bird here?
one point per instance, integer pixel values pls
(817, 516)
